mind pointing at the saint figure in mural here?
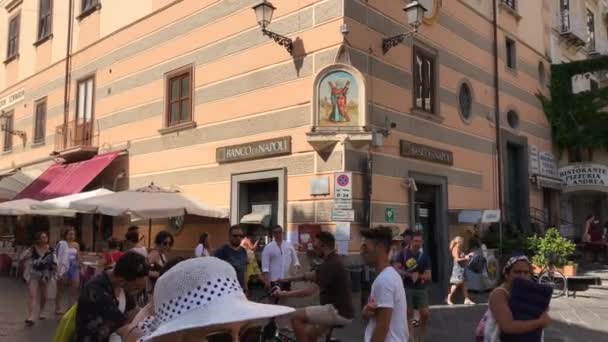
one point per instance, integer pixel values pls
(339, 103)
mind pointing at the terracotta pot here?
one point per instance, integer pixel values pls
(569, 270)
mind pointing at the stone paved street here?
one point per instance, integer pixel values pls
(580, 319)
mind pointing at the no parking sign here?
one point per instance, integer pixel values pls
(343, 186)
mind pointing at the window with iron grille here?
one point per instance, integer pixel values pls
(40, 121)
(179, 95)
(424, 81)
(8, 130)
(510, 3)
(13, 37)
(45, 19)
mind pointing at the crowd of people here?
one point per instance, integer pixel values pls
(145, 295)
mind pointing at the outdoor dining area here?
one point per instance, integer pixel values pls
(101, 214)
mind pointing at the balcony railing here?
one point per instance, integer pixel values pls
(76, 134)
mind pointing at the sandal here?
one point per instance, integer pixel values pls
(42, 318)
(29, 323)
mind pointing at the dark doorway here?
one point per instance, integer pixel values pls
(516, 191)
(425, 215)
(259, 196)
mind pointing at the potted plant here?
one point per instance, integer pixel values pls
(555, 245)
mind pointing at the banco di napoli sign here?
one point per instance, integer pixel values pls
(254, 150)
(585, 174)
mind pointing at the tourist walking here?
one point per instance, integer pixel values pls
(133, 242)
(278, 257)
(252, 273)
(498, 323)
(457, 280)
(68, 281)
(203, 248)
(157, 258)
(98, 314)
(42, 267)
(202, 298)
(415, 268)
(386, 309)
(234, 254)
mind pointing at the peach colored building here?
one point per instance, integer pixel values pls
(191, 94)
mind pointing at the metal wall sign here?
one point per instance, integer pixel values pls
(547, 164)
(254, 150)
(343, 188)
(343, 215)
(423, 152)
(585, 174)
(534, 163)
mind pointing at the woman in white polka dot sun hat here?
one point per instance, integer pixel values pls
(201, 297)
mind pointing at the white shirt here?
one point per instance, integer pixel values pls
(388, 292)
(200, 251)
(278, 260)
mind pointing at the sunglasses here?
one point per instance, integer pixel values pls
(238, 236)
(245, 334)
(167, 243)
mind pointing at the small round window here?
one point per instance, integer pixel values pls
(465, 101)
(513, 119)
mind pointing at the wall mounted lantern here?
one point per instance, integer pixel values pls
(263, 12)
(6, 126)
(414, 12)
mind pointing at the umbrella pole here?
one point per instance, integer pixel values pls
(149, 233)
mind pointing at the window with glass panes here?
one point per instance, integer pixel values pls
(179, 95)
(8, 131)
(424, 81)
(40, 121)
(45, 18)
(13, 37)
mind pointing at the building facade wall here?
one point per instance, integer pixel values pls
(247, 88)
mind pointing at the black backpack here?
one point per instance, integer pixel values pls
(477, 264)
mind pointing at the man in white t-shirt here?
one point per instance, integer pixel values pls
(278, 258)
(386, 308)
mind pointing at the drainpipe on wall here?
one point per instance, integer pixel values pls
(68, 66)
(497, 119)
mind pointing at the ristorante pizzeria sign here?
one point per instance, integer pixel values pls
(585, 174)
(254, 150)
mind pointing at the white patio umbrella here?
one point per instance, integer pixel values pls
(23, 207)
(147, 203)
(65, 201)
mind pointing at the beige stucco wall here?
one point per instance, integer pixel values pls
(247, 88)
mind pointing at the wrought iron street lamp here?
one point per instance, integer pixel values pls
(414, 12)
(263, 12)
(8, 128)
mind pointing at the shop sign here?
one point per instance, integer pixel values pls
(584, 174)
(426, 153)
(490, 216)
(255, 150)
(548, 164)
(12, 99)
(534, 164)
(389, 215)
(343, 215)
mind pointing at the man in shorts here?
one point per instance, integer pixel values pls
(414, 267)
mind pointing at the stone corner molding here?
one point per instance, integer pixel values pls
(12, 5)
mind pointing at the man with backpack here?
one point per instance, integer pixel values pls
(414, 267)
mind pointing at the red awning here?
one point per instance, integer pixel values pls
(66, 179)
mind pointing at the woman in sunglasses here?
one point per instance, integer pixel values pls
(157, 258)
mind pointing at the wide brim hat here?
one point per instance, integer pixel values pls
(199, 293)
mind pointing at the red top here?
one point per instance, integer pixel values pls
(112, 258)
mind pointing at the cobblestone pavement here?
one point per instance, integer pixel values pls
(580, 319)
